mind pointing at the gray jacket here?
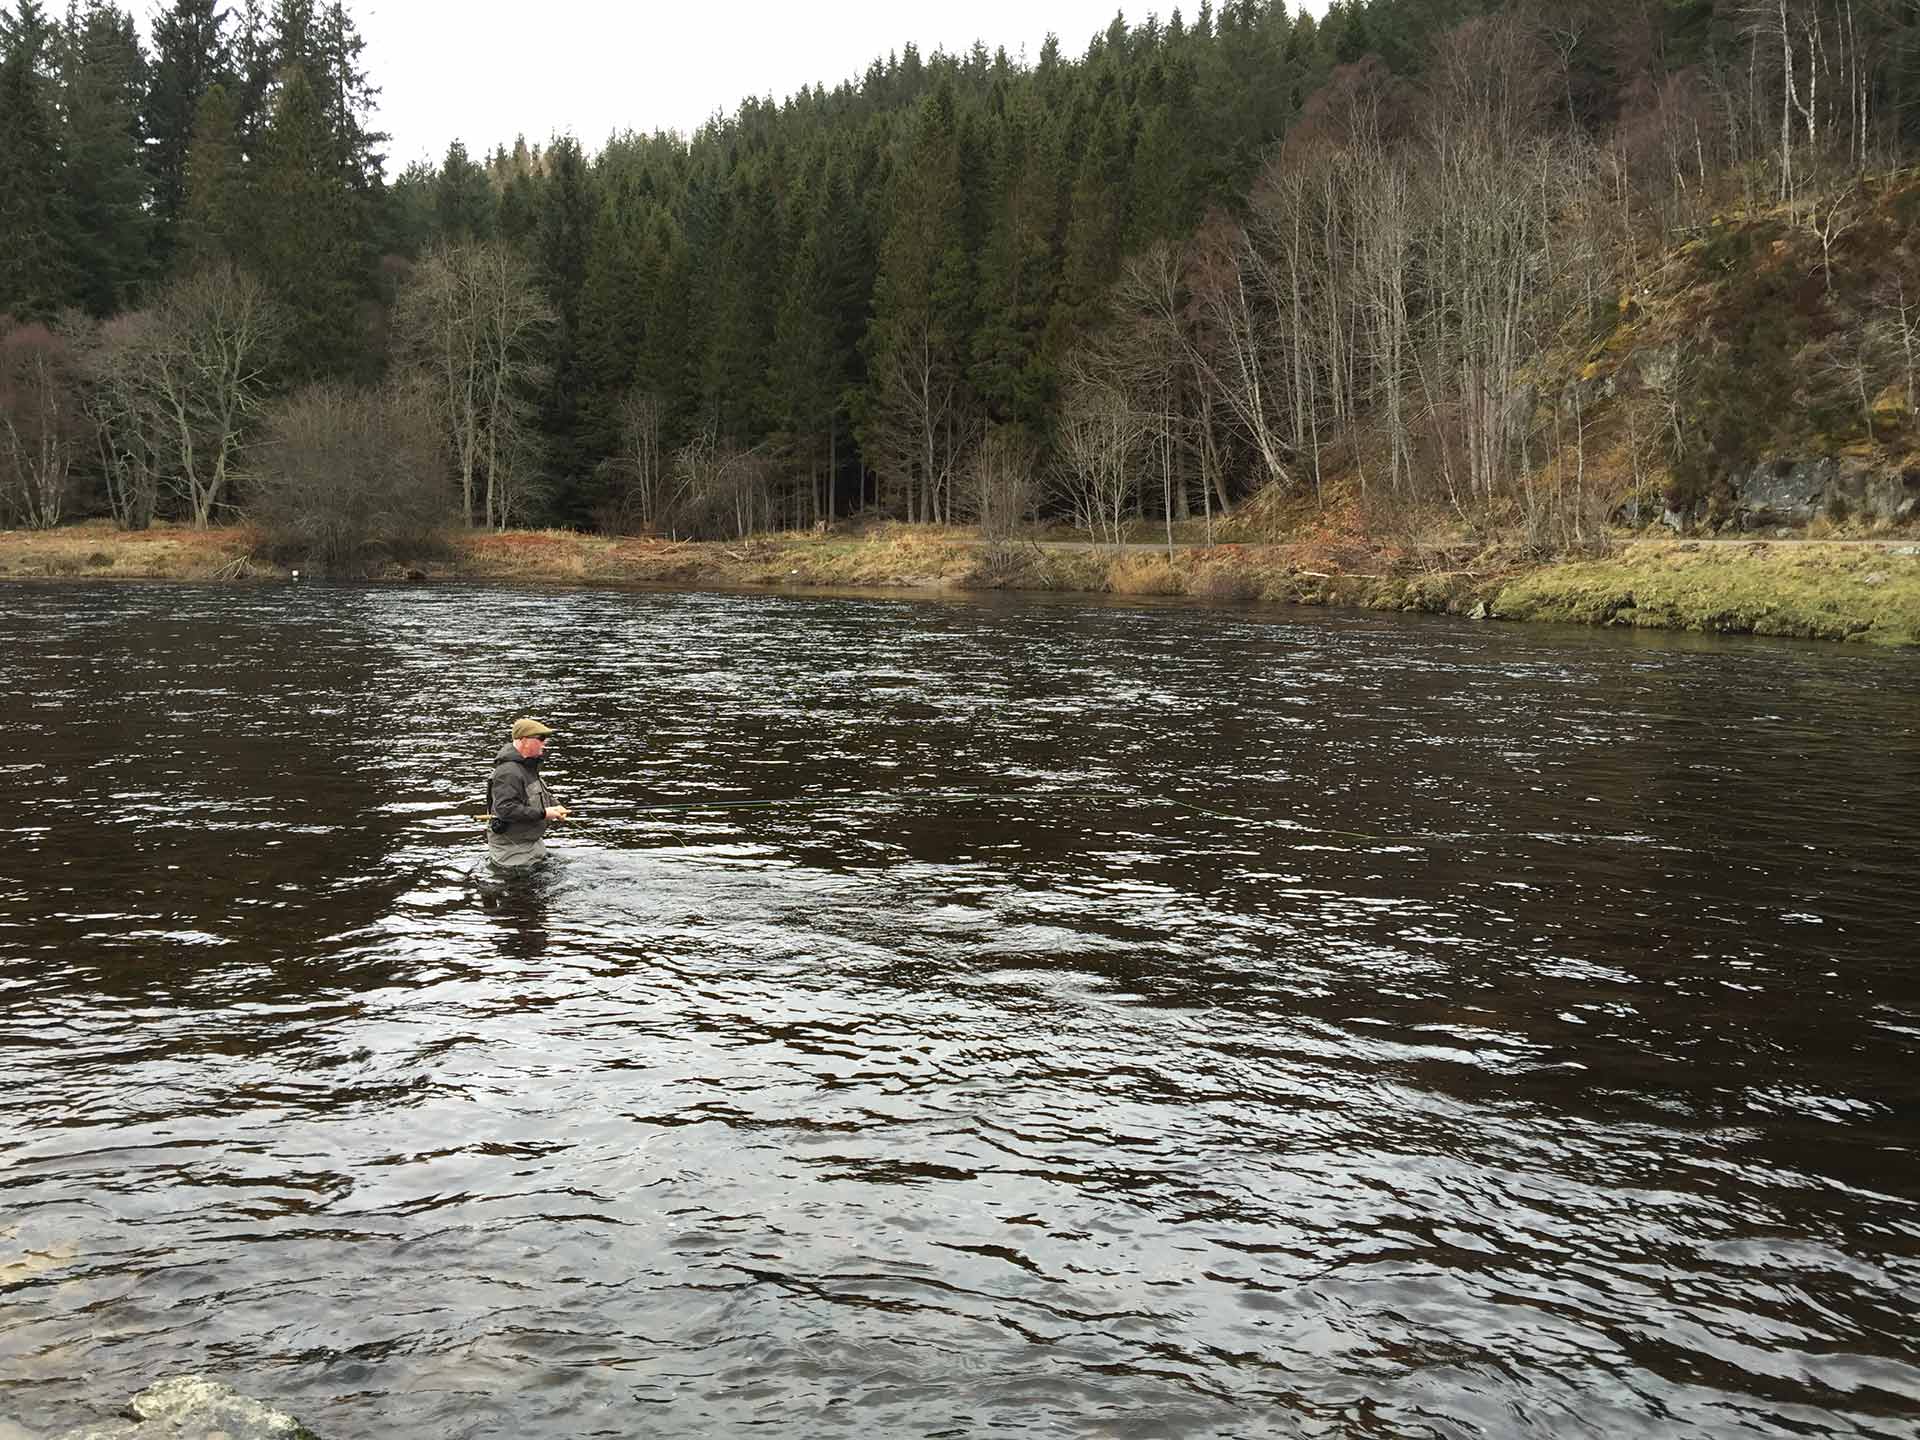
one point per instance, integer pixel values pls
(517, 801)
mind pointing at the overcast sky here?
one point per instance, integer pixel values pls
(484, 71)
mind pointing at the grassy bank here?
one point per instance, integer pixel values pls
(1803, 589)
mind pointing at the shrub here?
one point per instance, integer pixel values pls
(348, 477)
(720, 491)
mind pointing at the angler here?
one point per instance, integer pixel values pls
(519, 806)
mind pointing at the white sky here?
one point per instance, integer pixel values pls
(484, 71)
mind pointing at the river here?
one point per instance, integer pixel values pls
(1155, 1020)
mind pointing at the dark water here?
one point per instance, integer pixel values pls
(1580, 1100)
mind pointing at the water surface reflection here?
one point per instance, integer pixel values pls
(1326, 1025)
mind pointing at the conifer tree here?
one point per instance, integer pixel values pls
(408, 220)
(190, 57)
(463, 202)
(803, 368)
(912, 411)
(746, 297)
(35, 228)
(619, 290)
(215, 216)
(1098, 208)
(305, 242)
(255, 64)
(568, 203)
(347, 96)
(1018, 273)
(102, 84)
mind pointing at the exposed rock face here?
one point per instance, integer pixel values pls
(1795, 491)
(1789, 491)
(1785, 490)
(192, 1407)
(1651, 369)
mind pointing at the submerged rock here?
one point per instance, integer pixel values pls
(192, 1407)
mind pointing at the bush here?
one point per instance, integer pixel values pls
(349, 477)
(720, 491)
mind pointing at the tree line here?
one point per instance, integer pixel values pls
(1208, 255)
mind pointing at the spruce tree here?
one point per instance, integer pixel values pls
(102, 84)
(746, 300)
(409, 217)
(623, 272)
(569, 201)
(463, 202)
(305, 247)
(802, 363)
(1019, 275)
(190, 57)
(215, 219)
(1098, 209)
(347, 96)
(35, 275)
(916, 359)
(254, 65)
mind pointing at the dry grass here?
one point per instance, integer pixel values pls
(1225, 581)
(1811, 590)
(94, 549)
(1144, 575)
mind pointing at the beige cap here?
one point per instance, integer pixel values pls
(529, 729)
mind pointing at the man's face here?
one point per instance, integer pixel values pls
(533, 747)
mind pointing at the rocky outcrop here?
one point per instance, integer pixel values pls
(1788, 491)
(1783, 491)
(192, 1407)
(1650, 369)
(1791, 492)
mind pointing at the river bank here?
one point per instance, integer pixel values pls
(1804, 589)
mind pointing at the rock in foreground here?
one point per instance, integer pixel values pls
(192, 1407)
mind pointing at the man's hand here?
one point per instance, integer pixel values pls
(556, 812)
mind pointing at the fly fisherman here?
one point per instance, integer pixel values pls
(518, 805)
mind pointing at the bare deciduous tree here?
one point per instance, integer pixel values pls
(1146, 354)
(474, 325)
(349, 476)
(1001, 494)
(719, 488)
(1099, 440)
(1897, 330)
(129, 420)
(637, 473)
(918, 430)
(213, 340)
(40, 415)
(1237, 360)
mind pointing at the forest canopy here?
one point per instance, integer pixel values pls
(1189, 261)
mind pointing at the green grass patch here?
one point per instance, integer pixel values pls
(1804, 591)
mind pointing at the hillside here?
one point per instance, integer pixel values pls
(1762, 374)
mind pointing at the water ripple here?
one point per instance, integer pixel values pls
(1343, 1026)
